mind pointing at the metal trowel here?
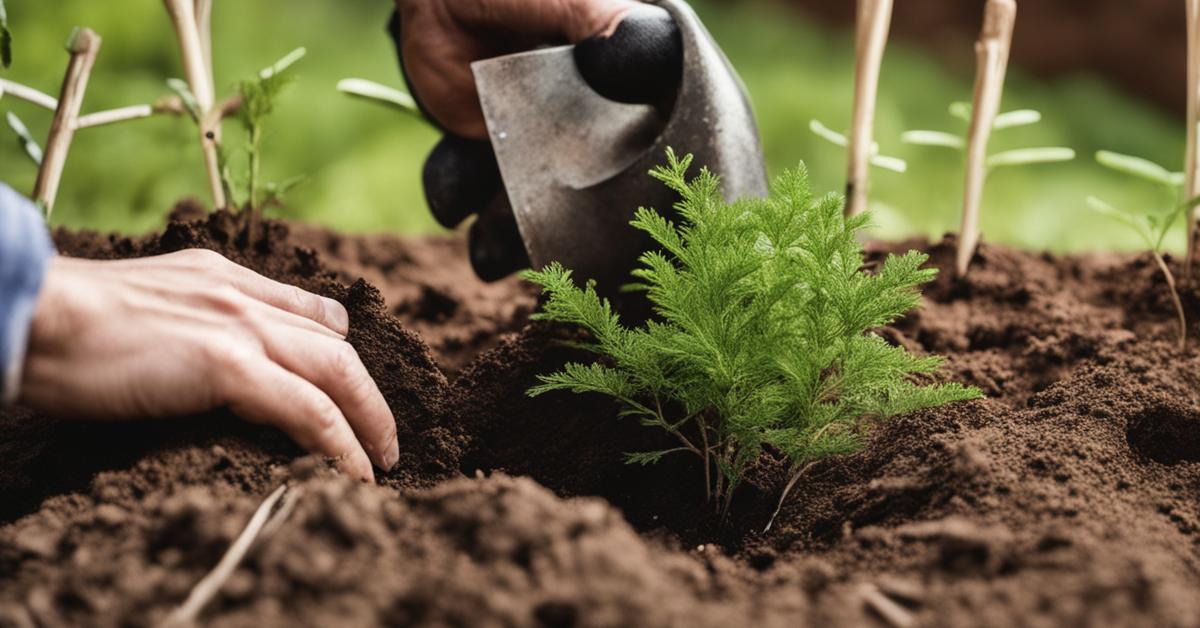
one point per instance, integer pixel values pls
(575, 164)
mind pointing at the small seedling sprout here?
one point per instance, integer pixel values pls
(1152, 227)
(258, 97)
(1004, 159)
(874, 21)
(895, 164)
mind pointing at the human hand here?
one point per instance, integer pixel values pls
(627, 51)
(191, 331)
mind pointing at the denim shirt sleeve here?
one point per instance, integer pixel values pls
(25, 250)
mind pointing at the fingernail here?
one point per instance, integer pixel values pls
(337, 316)
(391, 455)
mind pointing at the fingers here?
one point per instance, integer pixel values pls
(325, 311)
(640, 62)
(335, 368)
(460, 177)
(259, 390)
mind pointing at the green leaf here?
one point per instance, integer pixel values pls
(934, 138)
(184, 91)
(1020, 117)
(646, 458)
(5, 38)
(827, 134)
(1139, 167)
(25, 139)
(375, 92)
(895, 164)
(1140, 228)
(282, 65)
(961, 110)
(1030, 156)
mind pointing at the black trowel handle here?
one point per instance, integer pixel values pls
(641, 63)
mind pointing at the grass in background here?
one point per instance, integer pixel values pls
(364, 161)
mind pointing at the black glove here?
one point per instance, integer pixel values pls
(640, 63)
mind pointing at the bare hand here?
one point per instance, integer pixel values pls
(191, 331)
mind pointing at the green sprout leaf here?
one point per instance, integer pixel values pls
(184, 91)
(961, 110)
(1140, 168)
(5, 38)
(762, 337)
(282, 65)
(934, 138)
(895, 164)
(1030, 156)
(25, 139)
(1020, 117)
(382, 94)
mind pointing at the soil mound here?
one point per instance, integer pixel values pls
(1068, 496)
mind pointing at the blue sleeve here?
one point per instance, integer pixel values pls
(25, 250)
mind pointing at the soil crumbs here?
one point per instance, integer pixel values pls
(1070, 496)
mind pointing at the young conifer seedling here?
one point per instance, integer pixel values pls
(1151, 227)
(762, 335)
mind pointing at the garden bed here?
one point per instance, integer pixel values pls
(1068, 496)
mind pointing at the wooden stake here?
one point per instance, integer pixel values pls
(203, 9)
(84, 46)
(874, 21)
(1193, 119)
(196, 69)
(991, 51)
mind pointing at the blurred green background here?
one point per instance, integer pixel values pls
(363, 161)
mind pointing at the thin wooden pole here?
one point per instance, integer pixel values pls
(195, 67)
(1193, 119)
(84, 46)
(991, 51)
(874, 22)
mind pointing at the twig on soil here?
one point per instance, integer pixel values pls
(874, 21)
(888, 610)
(992, 50)
(1192, 169)
(261, 524)
(84, 46)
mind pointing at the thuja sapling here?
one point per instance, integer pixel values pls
(1154, 226)
(762, 335)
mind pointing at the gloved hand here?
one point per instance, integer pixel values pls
(627, 51)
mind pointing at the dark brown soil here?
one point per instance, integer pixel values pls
(1070, 496)
(1141, 46)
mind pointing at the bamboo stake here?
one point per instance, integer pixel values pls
(874, 22)
(991, 51)
(1193, 119)
(84, 46)
(195, 68)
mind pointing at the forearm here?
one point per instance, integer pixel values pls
(25, 250)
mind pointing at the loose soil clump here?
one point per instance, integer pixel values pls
(1071, 495)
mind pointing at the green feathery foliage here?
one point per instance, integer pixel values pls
(762, 335)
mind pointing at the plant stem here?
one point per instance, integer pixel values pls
(1179, 312)
(783, 496)
(203, 11)
(874, 21)
(707, 463)
(991, 53)
(1192, 170)
(195, 67)
(28, 94)
(84, 46)
(255, 161)
(101, 118)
